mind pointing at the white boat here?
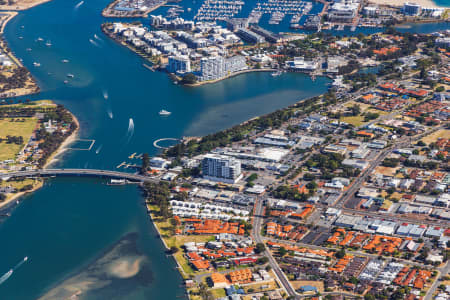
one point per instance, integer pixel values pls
(20, 37)
(275, 74)
(48, 43)
(39, 39)
(164, 112)
(66, 81)
(28, 49)
(36, 64)
(70, 75)
(117, 182)
(65, 61)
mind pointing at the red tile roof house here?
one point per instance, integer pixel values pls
(244, 261)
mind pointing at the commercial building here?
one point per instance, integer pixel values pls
(179, 64)
(268, 35)
(237, 23)
(250, 36)
(300, 64)
(221, 168)
(411, 9)
(344, 11)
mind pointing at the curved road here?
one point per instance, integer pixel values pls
(80, 172)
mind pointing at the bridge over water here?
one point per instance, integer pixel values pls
(80, 172)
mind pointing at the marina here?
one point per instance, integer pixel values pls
(212, 10)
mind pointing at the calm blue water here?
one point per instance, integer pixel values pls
(70, 225)
(444, 3)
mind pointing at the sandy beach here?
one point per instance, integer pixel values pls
(16, 196)
(423, 3)
(63, 147)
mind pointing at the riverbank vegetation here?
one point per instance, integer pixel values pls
(250, 128)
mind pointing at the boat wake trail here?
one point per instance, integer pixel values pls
(11, 271)
(21, 263)
(78, 5)
(110, 113)
(130, 131)
(97, 38)
(94, 43)
(6, 276)
(99, 149)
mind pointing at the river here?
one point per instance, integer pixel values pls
(76, 231)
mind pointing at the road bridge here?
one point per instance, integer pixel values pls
(80, 172)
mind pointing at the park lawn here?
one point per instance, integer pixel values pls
(354, 120)
(19, 184)
(179, 256)
(441, 133)
(23, 129)
(49, 103)
(218, 293)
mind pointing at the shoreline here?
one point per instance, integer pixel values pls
(11, 14)
(179, 267)
(63, 147)
(23, 91)
(230, 76)
(9, 202)
(22, 7)
(107, 12)
(191, 84)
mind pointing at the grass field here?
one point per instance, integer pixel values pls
(261, 287)
(442, 133)
(218, 293)
(24, 129)
(354, 120)
(19, 184)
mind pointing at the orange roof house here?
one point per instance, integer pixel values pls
(365, 134)
(201, 265)
(219, 280)
(241, 276)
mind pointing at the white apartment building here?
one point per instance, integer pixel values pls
(179, 64)
(221, 168)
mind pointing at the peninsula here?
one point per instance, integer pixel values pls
(15, 79)
(31, 135)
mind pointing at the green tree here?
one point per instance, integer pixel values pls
(189, 78)
(260, 247)
(340, 253)
(282, 251)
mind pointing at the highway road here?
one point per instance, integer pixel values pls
(256, 233)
